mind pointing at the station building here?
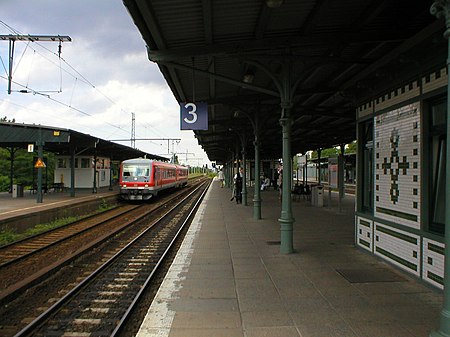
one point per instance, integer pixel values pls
(288, 77)
(401, 177)
(82, 161)
(84, 171)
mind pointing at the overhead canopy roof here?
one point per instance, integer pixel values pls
(65, 141)
(341, 54)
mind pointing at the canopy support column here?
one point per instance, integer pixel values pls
(441, 8)
(257, 193)
(244, 177)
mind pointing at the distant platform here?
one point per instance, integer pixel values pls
(26, 211)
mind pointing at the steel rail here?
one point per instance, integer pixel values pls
(62, 238)
(37, 322)
(12, 291)
(144, 287)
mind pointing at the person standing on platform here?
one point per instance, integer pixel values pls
(280, 180)
(221, 178)
(238, 186)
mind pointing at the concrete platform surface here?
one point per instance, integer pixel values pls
(229, 279)
(13, 207)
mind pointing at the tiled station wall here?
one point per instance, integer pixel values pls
(394, 233)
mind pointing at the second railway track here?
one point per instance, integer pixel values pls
(125, 274)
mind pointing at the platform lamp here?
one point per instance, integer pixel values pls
(248, 76)
(274, 3)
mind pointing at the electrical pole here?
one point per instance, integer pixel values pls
(33, 38)
(133, 131)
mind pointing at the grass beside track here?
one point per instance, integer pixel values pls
(9, 236)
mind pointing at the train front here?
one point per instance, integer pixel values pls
(136, 181)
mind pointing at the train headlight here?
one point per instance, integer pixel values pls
(145, 185)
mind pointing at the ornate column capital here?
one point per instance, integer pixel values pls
(441, 8)
(286, 105)
(285, 122)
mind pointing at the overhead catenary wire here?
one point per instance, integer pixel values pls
(35, 92)
(63, 65)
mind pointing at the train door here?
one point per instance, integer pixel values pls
(157, 176)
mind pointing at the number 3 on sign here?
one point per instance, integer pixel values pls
(194, 116)
(192, 113)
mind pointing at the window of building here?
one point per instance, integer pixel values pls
(62, 163)
(366, 167)
(437, 153)
(85, 163)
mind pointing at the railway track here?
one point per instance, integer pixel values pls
(12, 253)
(30, 261)
(102, 302)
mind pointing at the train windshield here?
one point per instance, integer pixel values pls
(136, 172)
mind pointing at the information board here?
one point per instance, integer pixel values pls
(194, 116)
(333, 172)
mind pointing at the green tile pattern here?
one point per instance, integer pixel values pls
(436, 249)
(396, 258)
(435, 278)
(364, 223)
(364, 243)
(397, 214)
(398, 235)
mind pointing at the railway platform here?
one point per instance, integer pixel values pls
(229, 278)
(24, 212)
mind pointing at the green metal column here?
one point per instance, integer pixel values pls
(257, 193)
(94, 183)
(441, 8)
(319, 177)
(244, 178)
(72, 173)
(11, 168)
(227, 174)
(286, 220)
(40, 145)
(342, 173)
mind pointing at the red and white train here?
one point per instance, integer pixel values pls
(142, 179)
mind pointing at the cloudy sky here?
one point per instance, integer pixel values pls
(101, 78)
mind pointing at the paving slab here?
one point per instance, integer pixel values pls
(230, 279)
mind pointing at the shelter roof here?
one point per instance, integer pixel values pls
(65, 142)
(340, 54)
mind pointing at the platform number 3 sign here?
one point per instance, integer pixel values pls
(194, 116)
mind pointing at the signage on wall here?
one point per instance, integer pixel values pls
(333, 172)
(194, 116)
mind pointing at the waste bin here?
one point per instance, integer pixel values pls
(317, 196)
(17, 191)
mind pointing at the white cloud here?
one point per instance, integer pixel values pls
(108, 51)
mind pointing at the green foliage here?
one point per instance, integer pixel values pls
(334, 151)
(351, 148)
(5, 119)
(23, 168)
(7, 236)
(330, 152)
(104, 206)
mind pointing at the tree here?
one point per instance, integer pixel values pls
(23, 168)
(325, 153)
(5, 119)
(351, 148)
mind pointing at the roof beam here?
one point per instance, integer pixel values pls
(224, 79)
(275, 45)
(423, 35)
(263, 21)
